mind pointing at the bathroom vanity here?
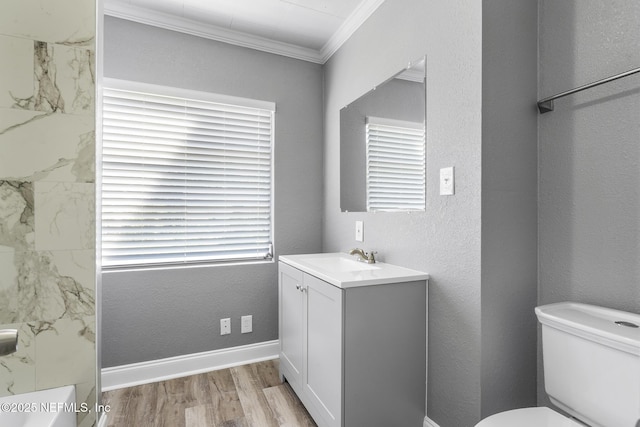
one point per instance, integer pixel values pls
(353, 339)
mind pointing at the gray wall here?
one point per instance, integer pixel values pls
(162, 313)
(477, 245)
(509, 204)
(589, 149)
(480, 245)
(444, 240)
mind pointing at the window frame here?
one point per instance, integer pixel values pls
(198, 96)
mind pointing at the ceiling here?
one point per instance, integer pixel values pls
(311, 30)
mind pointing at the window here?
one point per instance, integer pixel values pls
(186, 176)
(395, 165)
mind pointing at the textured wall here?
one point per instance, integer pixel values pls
(480, 245)
(47, 194)
(589, 153)
(444, 240)
(160, 313)
(509, 204)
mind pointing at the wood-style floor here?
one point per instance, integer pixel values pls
(244, 396)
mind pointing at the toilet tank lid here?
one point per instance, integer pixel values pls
(606, 326)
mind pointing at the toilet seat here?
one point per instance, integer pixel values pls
(529, 417)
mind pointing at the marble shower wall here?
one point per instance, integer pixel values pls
(47, 195)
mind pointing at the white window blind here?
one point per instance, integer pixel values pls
(395, 165)
(186, 176)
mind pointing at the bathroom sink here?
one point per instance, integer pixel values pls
(344, 271)
(341, 264)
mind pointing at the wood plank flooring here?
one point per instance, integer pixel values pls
(244, 396)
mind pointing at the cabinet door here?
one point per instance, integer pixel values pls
(323, 351)
(291, 324)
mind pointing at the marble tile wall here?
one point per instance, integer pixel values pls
(47, 195)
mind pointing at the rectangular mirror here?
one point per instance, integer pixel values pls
(382, 146)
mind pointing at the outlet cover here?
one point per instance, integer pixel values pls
(225, 326)
(246, 324)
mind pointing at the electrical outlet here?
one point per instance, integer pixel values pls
(246, 323)
(225, 326)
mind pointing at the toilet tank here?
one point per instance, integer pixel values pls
(592, 362)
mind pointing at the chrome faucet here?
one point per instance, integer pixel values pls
(8, 341)
(363, 256)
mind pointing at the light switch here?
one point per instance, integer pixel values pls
(447, 181)
(360, 231)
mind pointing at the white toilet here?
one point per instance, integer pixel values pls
(591, 359)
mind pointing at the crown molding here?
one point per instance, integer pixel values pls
(141, 15)
(120, 9)
(348, 27)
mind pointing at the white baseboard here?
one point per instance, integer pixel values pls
(428, 422)
(190, 364)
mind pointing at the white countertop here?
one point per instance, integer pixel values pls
(344, 271)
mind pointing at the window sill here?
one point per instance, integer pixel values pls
(158, 267)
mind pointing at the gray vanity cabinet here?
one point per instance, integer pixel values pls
(354, 356)
(311, 343)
